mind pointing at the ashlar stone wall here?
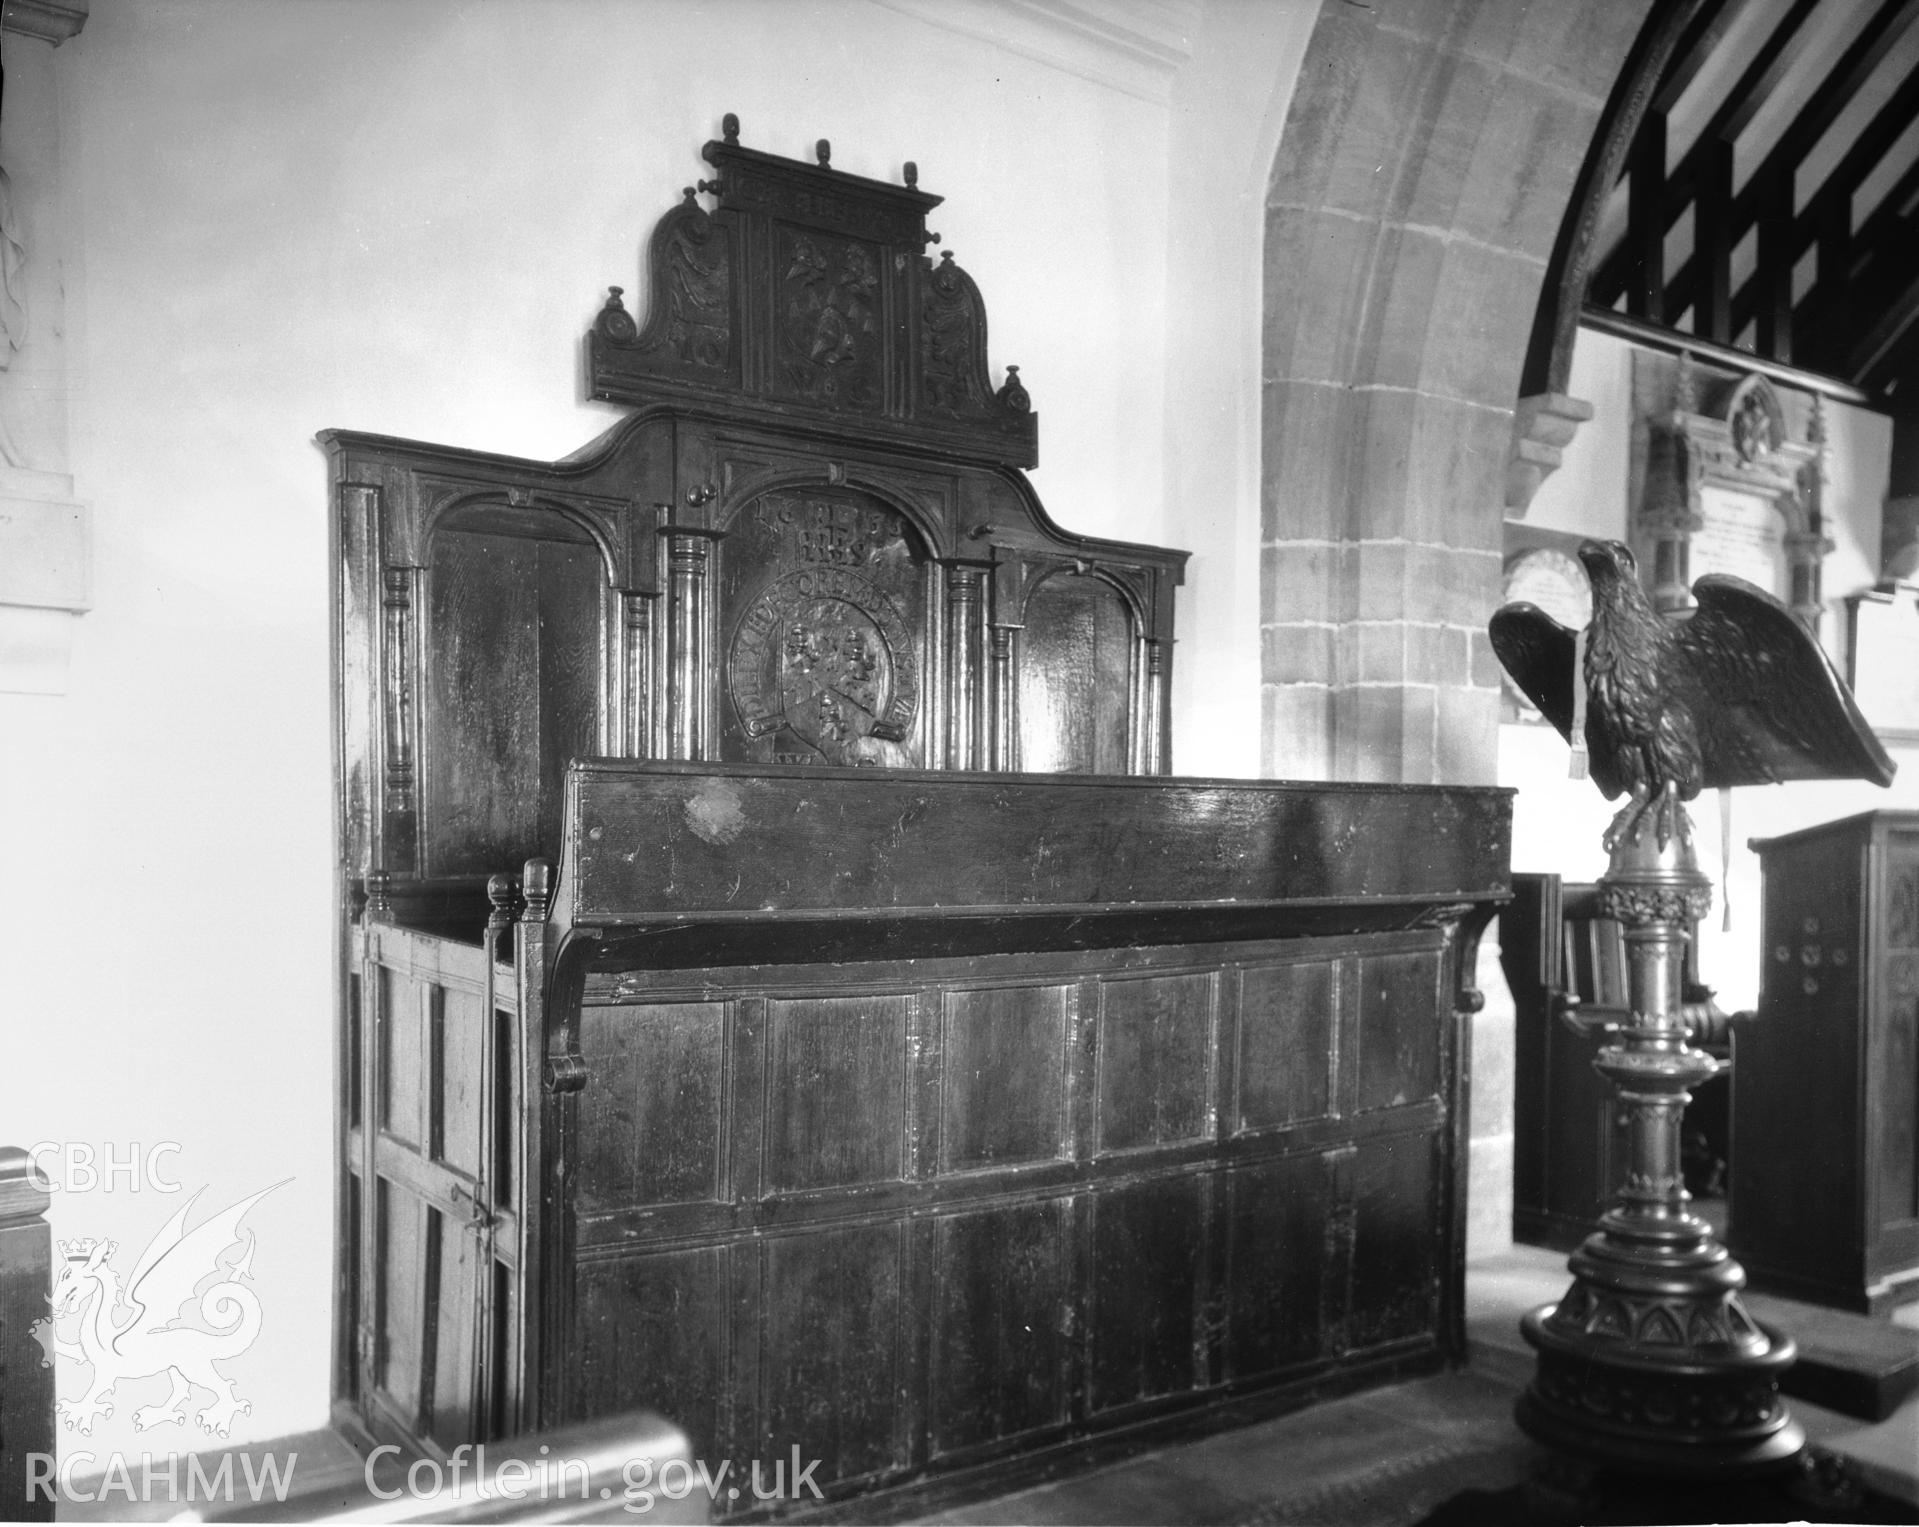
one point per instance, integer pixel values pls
(1427, 161)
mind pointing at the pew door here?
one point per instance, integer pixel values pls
(438, 1269)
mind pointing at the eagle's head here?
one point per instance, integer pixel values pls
(1614, 573)
(1608, 563)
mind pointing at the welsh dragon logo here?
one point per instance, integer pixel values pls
(143, 1330)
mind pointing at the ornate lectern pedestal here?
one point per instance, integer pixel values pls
(1650, 1362)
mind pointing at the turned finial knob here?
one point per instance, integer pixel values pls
(499, 891)
(912, 174)
(825, 151)
(1013, 396)
(536, 884)
(730, 127)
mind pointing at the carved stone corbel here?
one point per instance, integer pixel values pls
(1543, 426)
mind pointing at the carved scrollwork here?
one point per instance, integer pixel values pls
(689, 319)
(952, 342)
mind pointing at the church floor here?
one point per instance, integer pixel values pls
(1384, 1458)
(1389, 1457)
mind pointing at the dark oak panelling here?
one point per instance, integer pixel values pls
(1395, 1288)
(832, 1330)
(513, 692)
(1398, 1062)
(1279, 1306)
(1155, 1061)
(1002, 1076)
(1003, 1355)
(1076, 647)
(1149, 1262)
(653, 1133)
(836, 1091)
(1089, 1245)
(656, 1326)
(1288, 1043)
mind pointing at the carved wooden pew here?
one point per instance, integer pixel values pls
(812, 1086)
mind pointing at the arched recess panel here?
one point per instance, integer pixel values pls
(512, 682)
(1076, 678)
(824, 641)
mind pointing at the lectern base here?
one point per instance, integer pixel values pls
(1685, 1417)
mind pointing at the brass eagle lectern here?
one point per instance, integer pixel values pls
(1650, 1362)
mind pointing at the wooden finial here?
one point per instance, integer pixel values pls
(912, 174)
(536, 884)
(825, 151)
(613, 320)
(499, 891)
(1013, 396)
(730, 127)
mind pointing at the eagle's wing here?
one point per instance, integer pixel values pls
(1538, 652)
(1766, 700)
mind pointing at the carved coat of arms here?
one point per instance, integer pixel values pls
(824, 654)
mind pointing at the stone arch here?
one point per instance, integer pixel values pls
(1429, 154)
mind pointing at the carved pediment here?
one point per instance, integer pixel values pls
(806, 293)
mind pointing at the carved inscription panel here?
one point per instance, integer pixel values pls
(823, 603)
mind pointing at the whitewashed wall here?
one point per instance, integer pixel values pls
(286, 216)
